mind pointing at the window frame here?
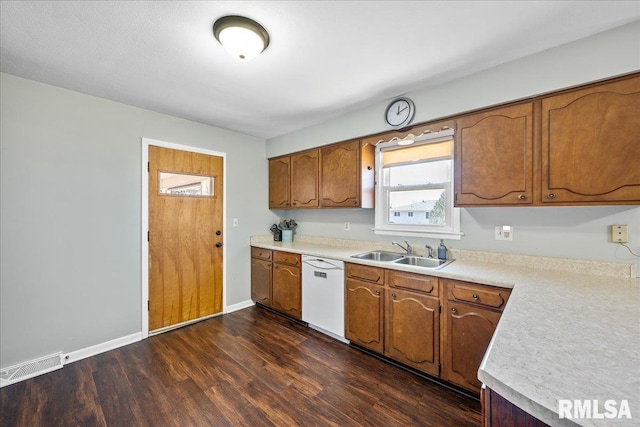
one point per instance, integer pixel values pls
(382, 227)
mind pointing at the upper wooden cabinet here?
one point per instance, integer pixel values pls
(304, 179)
(335, 176)
(494, 157)
(279, 182)
(347, 175)
(591, 144)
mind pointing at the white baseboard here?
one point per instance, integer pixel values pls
(83, 353)
(239, 306)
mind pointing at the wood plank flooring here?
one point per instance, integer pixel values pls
(248, 368)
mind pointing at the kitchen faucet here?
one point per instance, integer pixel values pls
(408, 249)
(430, 249)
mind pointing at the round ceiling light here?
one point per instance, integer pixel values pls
(242, 37)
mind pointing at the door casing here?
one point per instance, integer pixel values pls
(144, 243)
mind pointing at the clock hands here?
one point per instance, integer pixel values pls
(400, 111)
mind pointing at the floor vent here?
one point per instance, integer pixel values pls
(30, 369)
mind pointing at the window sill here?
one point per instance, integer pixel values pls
(451, 235)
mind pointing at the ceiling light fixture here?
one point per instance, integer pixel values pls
(242, 37)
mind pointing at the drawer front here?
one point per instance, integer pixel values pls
(485, 296)
(286, 258)
(366, 273)
(261, 253)
(416, 282)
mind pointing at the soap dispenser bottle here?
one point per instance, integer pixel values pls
(442, 250)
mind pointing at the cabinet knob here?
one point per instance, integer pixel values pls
(474, 296)
(454, 310)
(551, 196)
(393, 296)
(218, 245)
(369, 168)
(522, 197)
(377, 292)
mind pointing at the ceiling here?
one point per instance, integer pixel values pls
(326, 58)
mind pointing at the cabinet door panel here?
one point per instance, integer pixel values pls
(286, 290)
(279, 179)
(413, 330)
(304, 179)
(494, 157)
(340, 175)
(468, 330)
(364, 315)
(591, 145)
(261, 281)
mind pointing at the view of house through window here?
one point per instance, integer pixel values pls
(414, 189)
(179, 184)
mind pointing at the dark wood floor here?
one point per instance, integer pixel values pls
(248, 368)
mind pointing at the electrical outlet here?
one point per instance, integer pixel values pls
(347, 226)
(503, 232)
(620, 233)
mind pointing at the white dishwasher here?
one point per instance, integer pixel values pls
(323, 295)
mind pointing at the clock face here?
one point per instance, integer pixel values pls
(399, 113)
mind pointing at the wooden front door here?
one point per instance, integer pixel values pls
(185, 236)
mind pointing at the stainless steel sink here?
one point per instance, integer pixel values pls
(379, 256)
(385, 256)
(424, 262)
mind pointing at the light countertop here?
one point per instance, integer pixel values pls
(571, 328)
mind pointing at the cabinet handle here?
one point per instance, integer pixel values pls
(454, 310)
(218, 245)
(522, 197)
(474, 296)
(551, 196)
(377, 292)
(393, 296)
(369, 168)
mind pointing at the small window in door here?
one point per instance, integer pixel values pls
(180, 184)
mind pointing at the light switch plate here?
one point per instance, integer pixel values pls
(620, 233)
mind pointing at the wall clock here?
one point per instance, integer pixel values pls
(399, 113)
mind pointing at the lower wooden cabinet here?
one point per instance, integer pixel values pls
(399, 323)
(286, 290)
(440, 327)
(364, 314)
(261, 281)
(470, 314)
(499, 412)
(413, 330)
(276, 281)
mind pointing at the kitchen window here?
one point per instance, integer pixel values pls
(414, 187)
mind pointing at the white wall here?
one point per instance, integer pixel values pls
(573, 232)
(71, 214)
